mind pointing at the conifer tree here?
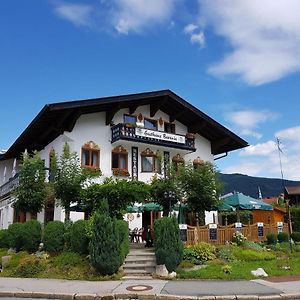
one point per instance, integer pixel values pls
(104, 245)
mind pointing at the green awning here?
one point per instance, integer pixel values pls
(151, 206)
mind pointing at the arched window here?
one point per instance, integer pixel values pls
(119, 161)
(90, 155)
(149, 161)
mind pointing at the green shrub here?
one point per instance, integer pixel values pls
(78, 238)
(31, 235)
(67, 235)
(295, 216)
(185, 264)
(4, 242)
(68, 259)
(271, 238)
(29, 267)
(238, 238)
(226, 253)
(104, 245)
(54, 236)
(204, 251)
(283, 237)
(123, 232)
(15, 236)
(167, 243)
(296, 236)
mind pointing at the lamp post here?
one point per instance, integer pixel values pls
(170, 196)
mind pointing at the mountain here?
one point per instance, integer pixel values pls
(249, 185)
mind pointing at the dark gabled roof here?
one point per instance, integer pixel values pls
(56, 118)
(292, 190)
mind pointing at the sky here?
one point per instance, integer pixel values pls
(237, 61)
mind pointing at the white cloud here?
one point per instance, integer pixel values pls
(136, 15)
(245, 121)
(264, 37)
(262, 159)
(196, 35)
(190, 28)
(78, 14)
(262, 149)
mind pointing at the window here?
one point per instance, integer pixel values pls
(150, 124)
(119, 158)
(128, 119)
(169, 127)
(90, 155)
(149, 161)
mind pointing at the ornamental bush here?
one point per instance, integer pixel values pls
(271, 238)
(31, 235)
(283, 237)
(15, 236)
(104, 247)
(204, 251)
(296, 236)
(4, 238)
(54, 236)
(167, 243)
(295, 216)
(78, 238)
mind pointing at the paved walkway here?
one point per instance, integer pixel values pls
(148, 289)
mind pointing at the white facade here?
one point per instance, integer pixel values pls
(92, 127)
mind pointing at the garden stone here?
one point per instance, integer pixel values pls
(173, 274)
(161, 270)
(11, 250)
(5, 260)
(260, 272)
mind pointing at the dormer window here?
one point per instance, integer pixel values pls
(169, 127)
(150, 124)
(90, 155)
(129, 119)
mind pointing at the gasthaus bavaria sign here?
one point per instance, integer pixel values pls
(160, 135)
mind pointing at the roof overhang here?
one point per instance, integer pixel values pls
(56, 118)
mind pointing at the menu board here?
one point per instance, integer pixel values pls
(213, 236)
(260, 229)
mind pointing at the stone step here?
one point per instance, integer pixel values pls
(137, 277)
(132, 260)
(139, 272)
(139, 265)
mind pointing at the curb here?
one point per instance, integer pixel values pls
(83, 296)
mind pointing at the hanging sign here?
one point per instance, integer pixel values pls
(213, 232)
(260, 229)
(153, 134)
(279, 227)
(183, 232)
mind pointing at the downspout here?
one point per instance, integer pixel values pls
(221, 156)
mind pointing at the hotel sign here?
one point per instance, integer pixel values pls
(152, 134)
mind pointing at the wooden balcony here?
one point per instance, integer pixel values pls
(142, 135)
(7, 187)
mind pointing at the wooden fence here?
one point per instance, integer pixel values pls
(222, 234)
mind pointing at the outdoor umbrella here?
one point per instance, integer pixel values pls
(225, 207)
(151, 206)
(133, 208)
(241, 201)
(181, 213)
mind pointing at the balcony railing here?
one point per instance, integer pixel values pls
(7, 187)
(142, 135)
